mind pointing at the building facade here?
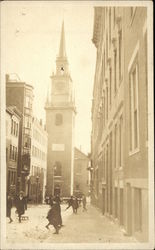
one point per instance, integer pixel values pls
(119, 117)
(81, 173)
(13, 117)
(20, 94)
(37, 177)
(60, 122)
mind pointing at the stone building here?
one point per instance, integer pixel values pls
(81, 173)
(60, 119)
(13, 117)
(119, 117)
(20, 94)
(37, 177)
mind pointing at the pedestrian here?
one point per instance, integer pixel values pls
(9, 205)
(75, 204)
(70, 203)
(47, 199)
(84, 201)
(21, 205)
(58, 200)
(54, 217)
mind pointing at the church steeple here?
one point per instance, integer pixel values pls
(62, 48)
(61, 61)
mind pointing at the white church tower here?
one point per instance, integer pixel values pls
(60, 122)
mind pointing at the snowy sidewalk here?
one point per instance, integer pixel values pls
(84, 227)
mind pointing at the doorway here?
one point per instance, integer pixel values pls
(57, 190)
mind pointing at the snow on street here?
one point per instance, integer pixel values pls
(87, 227)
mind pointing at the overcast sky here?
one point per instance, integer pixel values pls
(31, 32)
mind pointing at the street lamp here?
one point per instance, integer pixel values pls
(37, 179)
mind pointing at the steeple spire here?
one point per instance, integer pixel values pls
(62, 49)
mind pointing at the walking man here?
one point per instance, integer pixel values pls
(9, 205)
(21, 205)
(75, 205)
(70, 203)
(54, 216)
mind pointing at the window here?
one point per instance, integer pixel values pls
(13, 153)
(104, 113)
(133, 96)
(106, 46)
(146, 72)
(115, 71)
(17, 129)
(115, 146)
(58, 119)
(104, 62)
(12, 126)
(57, 169)
(27, 141)
(121, 141)
(10, 151)
(27, 122)
(120, 54)
(114, 16)
(110, 83)
(109, 27)
(107, 103)
(28, 102)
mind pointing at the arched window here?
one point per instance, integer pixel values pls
(58, 119)
(58, 169)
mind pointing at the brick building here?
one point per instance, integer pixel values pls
(119, 117)
(37, 177)
(13, 117)
(20, 94)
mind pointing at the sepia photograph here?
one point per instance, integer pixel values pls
(77, 125)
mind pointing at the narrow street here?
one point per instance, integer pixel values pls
(87, 227)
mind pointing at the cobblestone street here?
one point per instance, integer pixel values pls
(84, 227)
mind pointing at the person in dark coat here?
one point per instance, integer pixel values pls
(54, 217)
(75, 205)
(58, 200)
(9, 205)
(70, 203)
(21, 205)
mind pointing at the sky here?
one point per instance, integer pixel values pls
(30, 38)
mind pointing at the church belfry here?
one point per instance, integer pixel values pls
(60, 122)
